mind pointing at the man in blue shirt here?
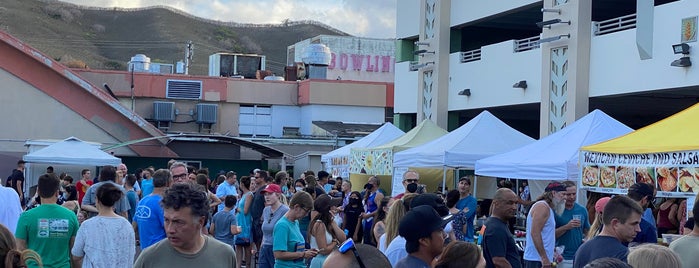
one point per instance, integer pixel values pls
(227, 188)
(467, 200)
(643, 194)
(572, 224)
(149, 218)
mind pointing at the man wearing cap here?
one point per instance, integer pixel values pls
(467, 201)
(572, 224)
(396, 250)
(643, 194)
(499, 248)
(621, 219)
(227, 188)
(423, 230)
(541, 226)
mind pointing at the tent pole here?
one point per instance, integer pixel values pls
(475, 186)
(444, 179)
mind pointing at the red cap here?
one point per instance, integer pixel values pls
(599, 206)
(272, 188)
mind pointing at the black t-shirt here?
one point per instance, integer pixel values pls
(689, 224)
(258, 204)
(498, 242)
(351, 217)
(16, 176)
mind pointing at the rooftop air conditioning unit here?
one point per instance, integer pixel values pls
(207, 113)
(163, 111)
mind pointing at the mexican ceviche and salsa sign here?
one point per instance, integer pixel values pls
(674, 174)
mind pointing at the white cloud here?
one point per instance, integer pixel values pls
(366, 18)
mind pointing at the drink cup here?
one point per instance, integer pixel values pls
(577, 217)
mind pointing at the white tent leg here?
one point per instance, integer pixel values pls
(475, 185)
(444, 179)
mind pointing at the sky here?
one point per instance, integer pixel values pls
(364, 18)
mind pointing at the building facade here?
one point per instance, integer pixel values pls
(540, 65)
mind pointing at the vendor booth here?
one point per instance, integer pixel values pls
(554, 157)
(664, 154)
(365, 162)
(337, 162)
(484, 135)
(70, 155)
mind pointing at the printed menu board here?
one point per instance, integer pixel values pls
(673, 174)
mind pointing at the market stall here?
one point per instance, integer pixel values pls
(484, 135)
(337, 162)
(554, 157)
(665, 154)
(379, 160)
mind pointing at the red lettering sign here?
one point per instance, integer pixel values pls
(385, 64)
(357, 62)
(332, 61)
(344, 61)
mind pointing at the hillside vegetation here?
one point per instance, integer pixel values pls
(107, 38)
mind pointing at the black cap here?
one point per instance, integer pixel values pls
(432, 200)
(420, 222)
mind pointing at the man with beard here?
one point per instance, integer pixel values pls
(621, 220)
(541, 226)
(467, 201)
(643, 194)
(499, 248)
(410, 180)
(572, 224)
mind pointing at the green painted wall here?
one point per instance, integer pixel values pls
(405, 49)
(405, 122)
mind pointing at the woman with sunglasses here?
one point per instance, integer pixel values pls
(289, 246)
(273, 211)
(326, 235)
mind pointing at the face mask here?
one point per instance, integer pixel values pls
(298, 189)
(368, 186)
(412, 187)
(354, 201)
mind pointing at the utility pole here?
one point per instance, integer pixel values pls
(188, 56)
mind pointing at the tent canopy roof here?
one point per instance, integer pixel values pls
(72, 151)
(675, 133)
(553, 157)
(382, 135)
(482, 136)
(424, 132)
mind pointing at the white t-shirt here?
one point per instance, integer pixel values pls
(10, 209)
(105, 241)
(396, 250)
(382, 243)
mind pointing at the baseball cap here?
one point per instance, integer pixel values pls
(272, 188)
(599, 205)
(324, 202)
(420, 222)
(255, 170)
(432, 200)
(555, 186)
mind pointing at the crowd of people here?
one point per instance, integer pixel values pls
(179, 216)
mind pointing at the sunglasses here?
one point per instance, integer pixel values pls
(271, 215)
(349, 245)
(411, 180)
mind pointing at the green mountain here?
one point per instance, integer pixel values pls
(107, 38)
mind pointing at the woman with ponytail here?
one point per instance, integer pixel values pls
(10, 257)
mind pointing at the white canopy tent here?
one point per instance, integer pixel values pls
(70, 155)
(554, 157)
(484, 135)
(72, 151)
(337, 162)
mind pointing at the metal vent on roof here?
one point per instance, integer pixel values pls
(206, 113)
(163, 111)
(183, 89)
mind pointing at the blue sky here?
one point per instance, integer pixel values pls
(365, 18)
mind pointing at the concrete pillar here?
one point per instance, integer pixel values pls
(566, 65)
(433, 78)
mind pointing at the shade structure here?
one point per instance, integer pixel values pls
(554, 157)
(379, 160)
(484, 135)
(675, 133)
(72, 151)
(337, 162)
